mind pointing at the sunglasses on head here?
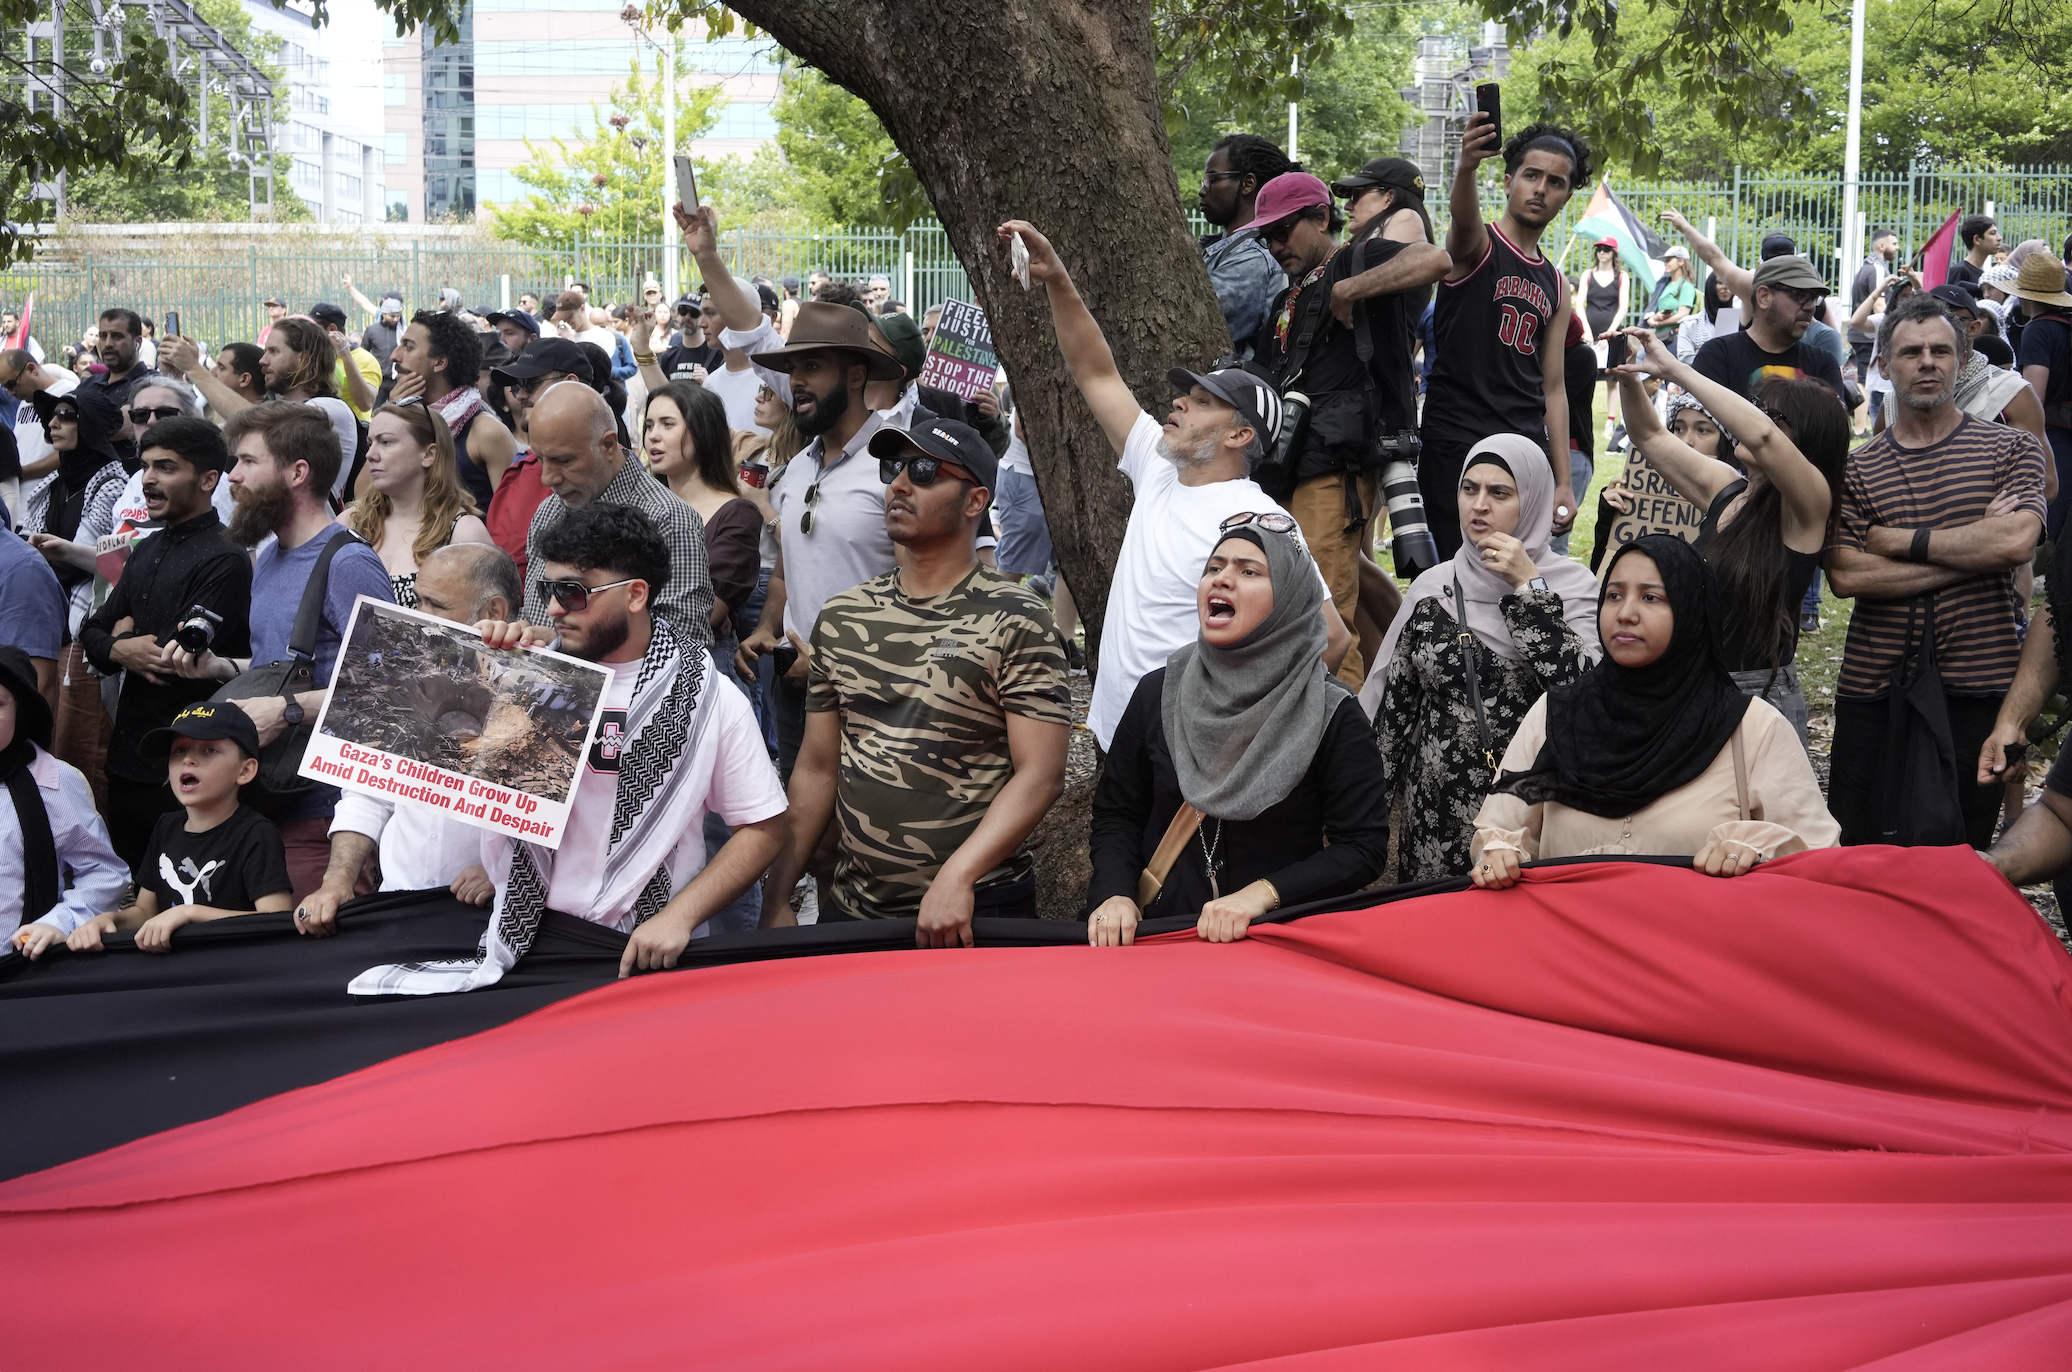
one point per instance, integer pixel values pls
(1273, 521)
(921, 470)
(146, 414)
(571, 594)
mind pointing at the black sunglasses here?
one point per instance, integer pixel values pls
(145, 414)
(572, 594)
(921, 469)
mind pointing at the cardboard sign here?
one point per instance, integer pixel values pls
(961, 356)
(1657, 508)
(420, 711)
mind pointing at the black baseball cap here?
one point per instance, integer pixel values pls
(518, 317)
(324, 312)
(204, 719)
(1777, 245)
(949, 439)
(1383, 173)
(1954, 293)
(1247, 391)
(544, 355)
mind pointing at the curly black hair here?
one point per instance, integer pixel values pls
(1550, 138)
(610, 538)
(455, 341)
(196, 440)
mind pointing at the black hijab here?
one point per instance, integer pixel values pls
(32, 726)
(78, 467)
(1620, 738)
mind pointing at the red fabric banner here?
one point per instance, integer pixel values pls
(1936, 255)
(1818, 1117)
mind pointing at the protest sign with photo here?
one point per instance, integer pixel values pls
(1656, 507)
(961, 356)
(420, 710)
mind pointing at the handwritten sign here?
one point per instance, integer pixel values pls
(961, 356)
(421, 712)
(1657, 508)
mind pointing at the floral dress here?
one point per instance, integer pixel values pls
(1431, 749)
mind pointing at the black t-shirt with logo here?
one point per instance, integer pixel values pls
(1736, 362)
(229, 867)
(676, 364)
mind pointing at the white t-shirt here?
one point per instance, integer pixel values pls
(731, 764)
(603, 338)
(422, 852)
(737, 390)
(348, 430)
(1151, 610)
(132, 513)
(1016, 458)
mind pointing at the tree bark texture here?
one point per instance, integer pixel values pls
(1044, 110)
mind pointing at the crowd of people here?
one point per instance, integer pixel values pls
(841, 653)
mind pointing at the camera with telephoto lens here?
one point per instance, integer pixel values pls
(198, 630)
(1410, 537)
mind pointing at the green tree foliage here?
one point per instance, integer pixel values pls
(608, 185)
(185, 182)
(842, 164)
(1943, 81)
(127, 117)
(1349, 109)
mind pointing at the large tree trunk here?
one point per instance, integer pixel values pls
(1044, 110)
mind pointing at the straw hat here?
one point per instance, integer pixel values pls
(2042, 280)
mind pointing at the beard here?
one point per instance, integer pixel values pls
(1927, 404)
(603, 638)
(827, 412)
(259, 511)
(1190, 457)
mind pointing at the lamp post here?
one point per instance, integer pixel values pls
(1852, 160)
(632, 16)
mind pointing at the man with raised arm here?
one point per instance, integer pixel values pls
(1500, 319)
(1191, 473)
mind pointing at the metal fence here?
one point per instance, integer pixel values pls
(219, 291)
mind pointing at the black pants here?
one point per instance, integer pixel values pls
(1856, 764)
(1438, 481)
(133, 811)
(788, 704)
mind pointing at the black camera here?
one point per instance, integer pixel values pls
(784, 655)
(198, 631)
(1410, 536)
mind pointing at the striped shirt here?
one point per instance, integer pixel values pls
(1942, 486)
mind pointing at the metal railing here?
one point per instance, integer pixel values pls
(219, 290)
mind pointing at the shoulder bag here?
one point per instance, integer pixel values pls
(1186, 820)
(280, 781)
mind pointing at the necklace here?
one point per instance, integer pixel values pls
(1208, 854)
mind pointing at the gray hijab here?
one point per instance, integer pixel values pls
(1243, 723)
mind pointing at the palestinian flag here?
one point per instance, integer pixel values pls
(1640, 247)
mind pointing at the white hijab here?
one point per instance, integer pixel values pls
(1482, 588)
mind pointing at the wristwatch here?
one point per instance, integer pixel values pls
(293, 714)
(1538, 583)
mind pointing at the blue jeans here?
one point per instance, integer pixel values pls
(742, 915)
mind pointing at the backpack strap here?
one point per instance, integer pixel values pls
(309, 616)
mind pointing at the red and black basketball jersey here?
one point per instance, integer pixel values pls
(1488, 329)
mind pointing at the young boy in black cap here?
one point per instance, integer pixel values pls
(219, 858)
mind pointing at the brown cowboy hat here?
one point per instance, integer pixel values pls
(820, 326)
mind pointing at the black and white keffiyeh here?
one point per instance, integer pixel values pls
(651, 812)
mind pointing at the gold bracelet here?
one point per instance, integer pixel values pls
(644, 359)
(1276, 892)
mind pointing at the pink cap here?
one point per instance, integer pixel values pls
(1287, 193)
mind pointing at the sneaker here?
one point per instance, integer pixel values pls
(1809, 623)
(808, 894)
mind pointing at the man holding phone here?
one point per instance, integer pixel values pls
(1501, 316)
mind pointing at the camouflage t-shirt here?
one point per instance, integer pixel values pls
(925, 688)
